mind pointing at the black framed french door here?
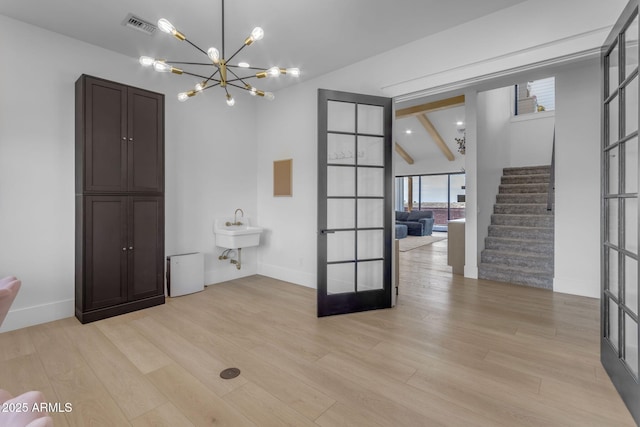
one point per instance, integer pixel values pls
(355, 202)
(619, 249)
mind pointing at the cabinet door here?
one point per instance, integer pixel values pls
(105, 130)
(146, 247)
(145, 153)
(105, 251)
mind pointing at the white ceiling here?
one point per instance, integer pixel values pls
(317, 36)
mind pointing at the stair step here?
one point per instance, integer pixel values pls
(522, 220)
(521, 208)
(541, 262)
(516, 275)
(519, 245)
(525, 179)
(523, 188)
(527, 170)
(522, 198)
(531, 233)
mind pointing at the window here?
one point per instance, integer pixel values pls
(535, 96)
(444, 194)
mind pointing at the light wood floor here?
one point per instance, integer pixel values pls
(454, 352)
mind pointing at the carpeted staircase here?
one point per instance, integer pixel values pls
(519, 247)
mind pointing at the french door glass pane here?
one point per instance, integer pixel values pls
(340, 278)
(370, 213)
(631, 106)
(371, 182)
(613, 120)
(612, 274)
(370, 244)
(341, 149)
(631, 224)
(341, 181)
(631, 344)
(370, 275)
(612, 218)
(341, 116)
(612, 333)
(370, 151)
(370, 119)
(341, 246)
(612, 161)
(613, 70)
(340, 213)
(631, 166)
(631, 284)
(631, 47)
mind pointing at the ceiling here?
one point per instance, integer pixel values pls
(316, 36)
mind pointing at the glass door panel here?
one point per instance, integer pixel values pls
(340, 116)
(619, 298)
(457, 191)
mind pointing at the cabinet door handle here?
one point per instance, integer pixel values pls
(131, 139)
(124, 138)
(124, 249)
(130, 248)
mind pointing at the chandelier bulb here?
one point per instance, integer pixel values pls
(182, 96)
(161, 67)
(200, 86)
(243, 65)
(257, 34)
(230, 101)
(270, 96)
(146, 61)
(166, 26)
(273, 72)
(253, 91)
(214, 55)
(294, 72)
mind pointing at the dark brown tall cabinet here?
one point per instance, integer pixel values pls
(119, 199)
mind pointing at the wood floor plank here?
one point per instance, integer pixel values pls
(144, 355)
(129, 388)
(15, 344)
(200, 405)
(165, 415)
(264, 409)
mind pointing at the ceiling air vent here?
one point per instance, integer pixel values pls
(139, 24)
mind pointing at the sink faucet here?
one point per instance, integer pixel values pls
(235, 222)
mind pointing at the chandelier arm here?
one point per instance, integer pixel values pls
(194, 45)
(209, 87)
(237, 77)
(238, 86)
(237, 52)
(247, 68)
(196, 75)
(189, 63)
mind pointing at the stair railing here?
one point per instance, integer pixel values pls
(552, 176)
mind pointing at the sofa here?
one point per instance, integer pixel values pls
(419, 223)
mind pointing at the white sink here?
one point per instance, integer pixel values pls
(236, 236)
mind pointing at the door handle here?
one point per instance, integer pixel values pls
(327, 231)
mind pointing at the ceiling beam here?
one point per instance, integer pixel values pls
(436, 136)
(407, 158)
(456, 101)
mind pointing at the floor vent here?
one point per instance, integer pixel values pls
(139, 24)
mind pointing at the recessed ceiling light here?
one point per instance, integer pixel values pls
(408, 131)
(459, 123)
(243, 64)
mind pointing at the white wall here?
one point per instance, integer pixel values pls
(531, 139)
(494, 151)
(577, 194)
(210, 165)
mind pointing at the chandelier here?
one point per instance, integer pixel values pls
(224, 73)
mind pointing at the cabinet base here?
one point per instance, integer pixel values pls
(103, 313)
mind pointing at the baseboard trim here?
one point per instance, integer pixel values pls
(293, 276)
(44, 313)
